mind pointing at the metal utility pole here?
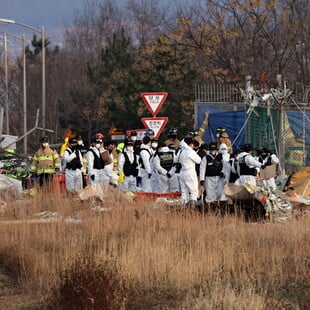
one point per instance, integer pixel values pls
(6, 85)
(43, 36)
(24, 88)
(281, 127)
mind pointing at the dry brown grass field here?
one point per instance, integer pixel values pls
(138, 256)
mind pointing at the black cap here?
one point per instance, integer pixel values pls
(44, 139)
(213, 146)
(73, 140)
(247, 147)
(94, 139)
(193, 132)
(128, 142)
(173, 131)
(220, 129)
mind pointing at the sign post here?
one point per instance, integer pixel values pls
(157, 124)
(154, 101)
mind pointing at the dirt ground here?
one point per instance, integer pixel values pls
(12, 297)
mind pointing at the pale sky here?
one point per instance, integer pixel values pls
(52, 14)
(37, 13)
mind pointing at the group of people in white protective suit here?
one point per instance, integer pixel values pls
(196, 170)
(84, 166)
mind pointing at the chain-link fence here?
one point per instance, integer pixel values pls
(282, 128)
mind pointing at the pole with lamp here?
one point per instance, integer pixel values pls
(43, 35)
(22, 39)
(6, 84)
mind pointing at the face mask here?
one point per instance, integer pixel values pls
(80, 142)
(45, 144)
(129, 148)
(97, 145)
(173, 136)
(133, 138)
(154, 145)
(217, 135)
(224, 151)
(213, 152)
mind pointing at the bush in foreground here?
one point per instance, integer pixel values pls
(87, 284)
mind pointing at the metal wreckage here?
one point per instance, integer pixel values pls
(15, 176)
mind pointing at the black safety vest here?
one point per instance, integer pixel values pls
(166, 160)
(130, 168)
(214, 165)
(98, 161)
(268, 161)
(140, 159)
(233, 176)
(244, 168)
(75, 163)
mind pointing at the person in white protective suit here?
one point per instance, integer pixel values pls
(95, 163)
(154, 177)
(108, 174)
(233, 163)
(247, 166)
(72, 165)
(223, 149)
(146, 154)
(268, 159)
(188, 158)
(128, 164)
(211, 174)
(165, 169)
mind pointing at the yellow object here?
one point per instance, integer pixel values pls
(64, 146)
(120, 147)
(121, 177)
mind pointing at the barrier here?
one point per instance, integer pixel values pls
(153, 196)
(59, 183)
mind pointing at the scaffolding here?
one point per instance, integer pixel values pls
(276, 118)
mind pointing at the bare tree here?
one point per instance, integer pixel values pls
(147, 20)
(233, 38)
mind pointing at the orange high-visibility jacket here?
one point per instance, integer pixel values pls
(45, 161)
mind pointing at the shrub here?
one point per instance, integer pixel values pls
(87, 284)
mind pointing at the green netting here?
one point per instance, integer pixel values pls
(259, 128)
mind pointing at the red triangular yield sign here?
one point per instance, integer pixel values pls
(154, 101)
(157, 124)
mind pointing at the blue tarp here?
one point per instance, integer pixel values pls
(232, 121)
(298, 125)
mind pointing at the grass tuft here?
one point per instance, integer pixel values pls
(88, 284)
